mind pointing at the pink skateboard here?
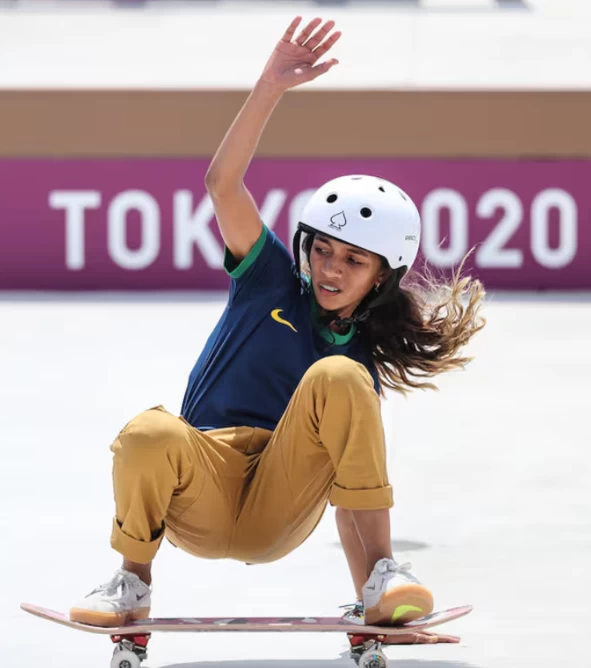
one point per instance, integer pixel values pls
(366, 641)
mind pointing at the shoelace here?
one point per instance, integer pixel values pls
(112, 586)
(393, 567)
(353, 609)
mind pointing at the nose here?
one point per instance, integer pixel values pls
(331, 267)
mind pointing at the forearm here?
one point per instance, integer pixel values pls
(291, 64)
(231, 161)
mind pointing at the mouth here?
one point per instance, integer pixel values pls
(328, 290)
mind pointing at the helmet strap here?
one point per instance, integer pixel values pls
(296, 249)
(385, 295)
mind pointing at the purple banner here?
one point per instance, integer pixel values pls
(149, 224)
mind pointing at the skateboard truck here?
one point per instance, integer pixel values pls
(367, 652)
(130, 650)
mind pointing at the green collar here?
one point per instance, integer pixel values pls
(326, 333)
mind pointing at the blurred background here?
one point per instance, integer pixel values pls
(111, 112)
(111, 280)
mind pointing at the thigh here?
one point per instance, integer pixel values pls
(287, 495)
(328, 444)
(203, 509)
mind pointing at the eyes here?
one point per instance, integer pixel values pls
(321, 250)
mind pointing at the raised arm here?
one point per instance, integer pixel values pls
(292, 63)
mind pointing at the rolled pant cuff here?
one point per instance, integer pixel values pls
(132, 549)
(362, 499)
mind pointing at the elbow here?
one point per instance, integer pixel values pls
(211, 180)
(217, 185)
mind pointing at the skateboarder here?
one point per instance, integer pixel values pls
(281, 414)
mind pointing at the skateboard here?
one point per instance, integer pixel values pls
(131, 640)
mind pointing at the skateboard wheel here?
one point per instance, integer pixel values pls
(124, 658)
(373, 658)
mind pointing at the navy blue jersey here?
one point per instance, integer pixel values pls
(265, 340)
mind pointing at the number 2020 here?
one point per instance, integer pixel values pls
(493, 252)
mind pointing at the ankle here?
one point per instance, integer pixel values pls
(373, 560)
(143, 571)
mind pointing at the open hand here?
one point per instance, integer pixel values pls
(419, 638)
(295, 61)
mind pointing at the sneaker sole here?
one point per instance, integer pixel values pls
(107, 619)
(402, 604)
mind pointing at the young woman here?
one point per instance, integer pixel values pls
(281, 415)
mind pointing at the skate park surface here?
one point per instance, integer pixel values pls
(490, 476)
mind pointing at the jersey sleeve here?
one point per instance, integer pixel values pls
(373, 372)
(267, 265)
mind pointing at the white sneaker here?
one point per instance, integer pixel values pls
(121, 600)
(393, 595)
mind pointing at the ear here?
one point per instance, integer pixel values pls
(384, 275)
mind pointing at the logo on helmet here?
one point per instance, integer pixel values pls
(338, 221)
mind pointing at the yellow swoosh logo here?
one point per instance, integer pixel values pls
(275, 315)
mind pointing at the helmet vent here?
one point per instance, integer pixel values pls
(366, 213)
(331, 199)
(403, 196)
(382, 189)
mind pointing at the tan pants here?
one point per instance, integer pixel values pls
(245, 493)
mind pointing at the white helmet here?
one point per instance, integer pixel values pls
(367, 212)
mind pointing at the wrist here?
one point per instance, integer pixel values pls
(267, 90)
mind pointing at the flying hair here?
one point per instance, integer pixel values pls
(422, 329)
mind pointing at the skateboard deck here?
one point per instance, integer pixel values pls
(251, 624)
(366, 642)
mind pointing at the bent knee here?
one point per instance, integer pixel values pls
(151, 430)
(339, 370)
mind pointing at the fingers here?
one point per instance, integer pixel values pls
(307, 31)
(419, 639)
(434, 638)
(290, 32)
(451, 639)
(401, 639)
(330, 42)
(315, 40)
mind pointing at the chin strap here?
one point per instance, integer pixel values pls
(375, 298)
(296, 249)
